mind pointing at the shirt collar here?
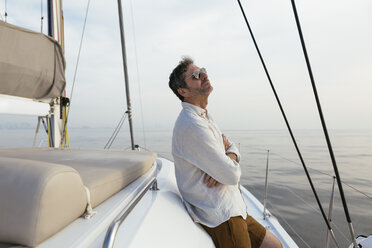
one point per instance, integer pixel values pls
(199, 111)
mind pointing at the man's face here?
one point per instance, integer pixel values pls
(197, 86)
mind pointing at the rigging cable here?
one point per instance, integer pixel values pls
(324, 126)
(311, 169)
(116, 131)
(292, 228)
(45, 127)
(288, 126)
(310, 206)
(138, 76)
(306, 203)
(159, 153)
(326, 174)
(76, 68)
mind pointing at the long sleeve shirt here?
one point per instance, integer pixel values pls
(198, 149)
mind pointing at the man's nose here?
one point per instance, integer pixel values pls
(203, 75)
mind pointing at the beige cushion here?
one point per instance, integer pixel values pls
(109, 172)
(104, 172)
(37, 199)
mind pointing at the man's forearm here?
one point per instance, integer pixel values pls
(232, 156)
(228, 145)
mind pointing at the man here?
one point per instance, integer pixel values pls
(207, 166)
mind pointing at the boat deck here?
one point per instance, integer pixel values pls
(159, 219)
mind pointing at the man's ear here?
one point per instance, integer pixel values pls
(183, 92)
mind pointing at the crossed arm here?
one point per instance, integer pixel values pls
(210, 181)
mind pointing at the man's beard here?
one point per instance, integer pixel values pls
(202, 91)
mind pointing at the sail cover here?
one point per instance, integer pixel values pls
(31, 64)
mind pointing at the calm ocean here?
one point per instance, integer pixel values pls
(290, 197)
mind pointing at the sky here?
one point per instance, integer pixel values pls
(338, 36)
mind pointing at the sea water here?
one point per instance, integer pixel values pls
(290, 198)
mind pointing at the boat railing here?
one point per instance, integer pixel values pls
(114, 227)
(351, 187)
(266, 213)
(330, 211)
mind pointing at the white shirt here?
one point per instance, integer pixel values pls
(198, 149)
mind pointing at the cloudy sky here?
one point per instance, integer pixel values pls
(338, 34)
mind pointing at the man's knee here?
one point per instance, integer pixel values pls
(270, 241)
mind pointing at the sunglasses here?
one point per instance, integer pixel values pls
(196, 73)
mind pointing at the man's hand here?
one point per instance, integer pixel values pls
(227, 145)
(226, 142)
(210, 181)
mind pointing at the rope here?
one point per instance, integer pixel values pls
(76, 68)
(285, 118)
(50, 133)
(344, 203)
(66, 139)
(138, 75)
(116, 131)
(89, 213)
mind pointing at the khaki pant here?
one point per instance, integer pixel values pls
(237, 233)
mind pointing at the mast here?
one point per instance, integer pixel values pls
(55, 30)
(55, 21)
(124, 54)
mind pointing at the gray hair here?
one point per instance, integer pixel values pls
(177, 77)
